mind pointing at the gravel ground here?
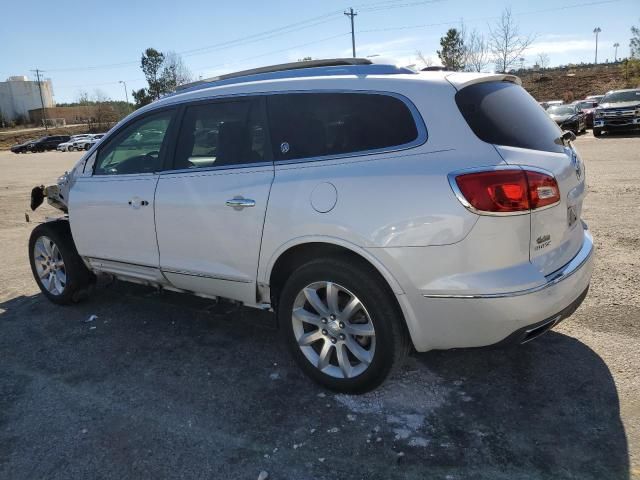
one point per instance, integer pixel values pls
(174, 386)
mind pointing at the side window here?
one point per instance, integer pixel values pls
(315, 124)
(221, 134)
(136, 149)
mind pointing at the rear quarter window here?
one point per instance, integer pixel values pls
(305, 125)
(503, 113)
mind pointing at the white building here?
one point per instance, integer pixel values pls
(18, 95)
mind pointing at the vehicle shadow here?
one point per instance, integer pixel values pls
(613, 135)
(171, 385)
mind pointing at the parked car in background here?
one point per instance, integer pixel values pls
(88, 142)
(330, 194)
(68, 145)
(85, 143)
(47, 143)
(568, 117)
(587, 107)
(595, 98)
(551, 103)
(618, 110)
(21, 147)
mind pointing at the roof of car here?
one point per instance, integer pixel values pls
(329, 74)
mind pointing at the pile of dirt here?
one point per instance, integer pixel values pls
(574, 83)
(9, 138)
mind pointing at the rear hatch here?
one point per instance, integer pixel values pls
(504, 114)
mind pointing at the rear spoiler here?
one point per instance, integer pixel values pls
(460, 80)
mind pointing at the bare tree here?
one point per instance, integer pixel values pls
(506, 43)
(174, 71)
(103, 114)
(542, 60)
(476, 52)
(426, 60)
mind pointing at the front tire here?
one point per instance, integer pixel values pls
(342, 324)
(56, 266)
(597, 132)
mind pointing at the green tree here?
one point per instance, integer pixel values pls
(634, 43)
(141, 97)
(151, 63)
(452, 54)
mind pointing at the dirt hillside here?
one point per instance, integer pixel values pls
(573, 83)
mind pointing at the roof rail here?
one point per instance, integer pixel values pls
(329, 62)
(312, 68)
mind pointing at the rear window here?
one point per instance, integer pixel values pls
(503, 113)
(305, 125)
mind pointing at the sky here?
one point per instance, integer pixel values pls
(86, 46)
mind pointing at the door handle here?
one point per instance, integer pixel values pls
(137, 202)
(238, 203)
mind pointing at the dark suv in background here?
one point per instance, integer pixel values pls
(47, 143)
(618, 110)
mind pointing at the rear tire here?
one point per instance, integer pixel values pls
(349, 350)
(597, 132)
(56, 266)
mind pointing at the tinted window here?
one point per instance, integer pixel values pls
(135, 149)
(221, 134)
(503, 113)
(615, 97)
(316, 124)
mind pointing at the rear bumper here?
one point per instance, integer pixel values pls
(441, 321)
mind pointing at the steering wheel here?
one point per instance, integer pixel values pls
(154, 154)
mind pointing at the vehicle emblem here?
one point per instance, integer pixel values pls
(543, 239)
(284, 147)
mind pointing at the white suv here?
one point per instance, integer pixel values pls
(371, 207)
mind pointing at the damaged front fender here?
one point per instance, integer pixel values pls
(53, 195)
(58, 195)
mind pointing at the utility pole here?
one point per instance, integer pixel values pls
(616, 45)
(352, 14)
(126, 95)
(44, 114)
(597, 30)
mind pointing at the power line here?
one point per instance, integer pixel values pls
(286, 29)
(275, 51)
(454, 22)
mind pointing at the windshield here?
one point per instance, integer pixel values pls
(615, 97)
(583, 105)
(562, 110)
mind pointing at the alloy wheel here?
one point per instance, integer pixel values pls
(333, 329)
(50, 265)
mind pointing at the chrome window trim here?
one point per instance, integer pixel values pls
(421, 138)
(194, 171)
(554, 278)
(451, 177)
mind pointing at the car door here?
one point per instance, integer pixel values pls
(210, 207)
(111, 210)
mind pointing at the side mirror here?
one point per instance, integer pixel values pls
(568, 136)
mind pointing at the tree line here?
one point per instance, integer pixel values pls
(503, 47)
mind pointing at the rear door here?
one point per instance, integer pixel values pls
(210, 207)
(504, 114)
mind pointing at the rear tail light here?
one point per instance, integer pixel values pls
(506, 191)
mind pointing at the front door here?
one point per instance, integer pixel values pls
(210, 207)
(111, 211)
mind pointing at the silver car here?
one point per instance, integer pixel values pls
(373, 209)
